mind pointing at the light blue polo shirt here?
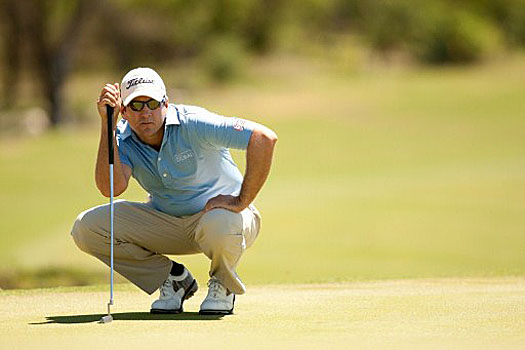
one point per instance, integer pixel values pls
(193, 164)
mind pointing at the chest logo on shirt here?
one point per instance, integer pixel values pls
(183, 156)
(238, 124)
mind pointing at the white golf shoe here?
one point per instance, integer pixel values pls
(218, 301)
(173, 292)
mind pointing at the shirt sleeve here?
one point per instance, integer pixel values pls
(221, 132)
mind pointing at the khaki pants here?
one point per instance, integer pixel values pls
(142, 234)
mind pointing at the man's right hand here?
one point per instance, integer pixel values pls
(110, 95)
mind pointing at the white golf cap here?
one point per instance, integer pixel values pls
(142, 82)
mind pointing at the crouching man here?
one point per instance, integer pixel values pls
(198, 200)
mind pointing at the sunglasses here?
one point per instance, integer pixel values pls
(152, 104)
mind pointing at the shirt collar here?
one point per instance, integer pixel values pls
(172, 118)
(123, 128)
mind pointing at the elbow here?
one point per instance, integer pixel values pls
(264, 138)
(120, 191)
(272, 137)
(269, 137)
(106, 192)
(103, 190)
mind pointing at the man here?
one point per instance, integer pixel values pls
(198, 200)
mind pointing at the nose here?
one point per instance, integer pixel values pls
(145, 112)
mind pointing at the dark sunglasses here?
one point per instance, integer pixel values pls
(152, 104)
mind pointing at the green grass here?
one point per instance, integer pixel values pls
(377, 174)
(465, 313)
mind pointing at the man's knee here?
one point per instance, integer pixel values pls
(84, 229)
(217, 225)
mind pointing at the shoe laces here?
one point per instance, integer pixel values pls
(166, 286)
(215, 287)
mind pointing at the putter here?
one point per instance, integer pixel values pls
(109, 110)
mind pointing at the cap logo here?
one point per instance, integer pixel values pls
(136, 81)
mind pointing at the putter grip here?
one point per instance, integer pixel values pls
(109, 111)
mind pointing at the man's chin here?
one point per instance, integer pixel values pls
(146, 130)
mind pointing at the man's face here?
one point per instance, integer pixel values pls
(146, 123)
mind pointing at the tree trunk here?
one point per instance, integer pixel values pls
(53, 59)
(55, 95)
(12, 41)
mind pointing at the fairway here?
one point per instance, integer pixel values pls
(377, 175)
(391, 218)
(472, 313)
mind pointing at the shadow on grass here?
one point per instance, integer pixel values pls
(129, 316)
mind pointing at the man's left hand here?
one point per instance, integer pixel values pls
(231, 203)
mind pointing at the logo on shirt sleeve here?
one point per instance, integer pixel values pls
(238, 124)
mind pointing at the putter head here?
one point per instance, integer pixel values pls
(106, 319)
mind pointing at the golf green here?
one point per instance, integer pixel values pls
(473, 313)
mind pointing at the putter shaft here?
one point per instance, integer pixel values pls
(109, 111)
(111, 233)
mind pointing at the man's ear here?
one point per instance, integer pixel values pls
(166, 101)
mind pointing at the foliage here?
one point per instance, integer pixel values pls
(389, 24)
(223, 57)
(460, 37)
(432, 31)
(48, 39)
(508, 15)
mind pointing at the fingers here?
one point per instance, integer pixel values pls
(213, 203)
(108, 101)
(210, 205)
(226, 202)
(110, 95)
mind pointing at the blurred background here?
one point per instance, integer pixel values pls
(401, 129)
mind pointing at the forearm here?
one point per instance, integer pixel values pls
(120, 182)
(258, 163)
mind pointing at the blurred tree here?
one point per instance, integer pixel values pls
(460, 37)
(222, 60)
(389, 25)
(53, 28)
(509, 15)
(262, 23)
(139, 35)
(10, 13)
(50, 29)
(215, 32)
(42, 34)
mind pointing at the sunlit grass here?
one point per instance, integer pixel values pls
(378, 174)
(467, 313)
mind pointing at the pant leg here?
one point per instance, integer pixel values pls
(141, 235)
(223, 236)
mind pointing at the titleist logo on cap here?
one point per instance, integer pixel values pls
(136, 81)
